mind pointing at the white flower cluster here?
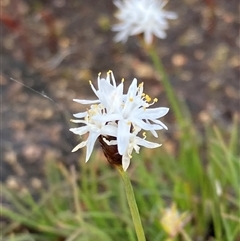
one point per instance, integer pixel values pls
(141, 16)
(121, 116)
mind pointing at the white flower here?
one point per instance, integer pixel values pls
(141, 16)
(133, 113)
(173, 221)
(119, 116)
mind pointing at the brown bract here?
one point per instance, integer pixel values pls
(110, 151)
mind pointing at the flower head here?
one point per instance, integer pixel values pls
(173, 222)
(141, 16)
(116, 119)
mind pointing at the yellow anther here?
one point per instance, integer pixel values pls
(122, 80)
(131, 99)
(155, 100)
(148, 98)
(90, 82)
(143, 94)
(99, 74)
(144, 134)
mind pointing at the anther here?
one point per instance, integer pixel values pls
(148, 98)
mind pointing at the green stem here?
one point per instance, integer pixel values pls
(172, 97)
(132, 204)
(185, 235)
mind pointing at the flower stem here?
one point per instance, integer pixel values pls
(132, 204)
(185, 235)
(172, 97)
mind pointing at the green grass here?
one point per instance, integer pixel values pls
(201, 177)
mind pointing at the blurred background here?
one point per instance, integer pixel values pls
(50, 49)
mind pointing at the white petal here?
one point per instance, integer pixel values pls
(154, 133)
(86, 102)
(94, 90)
(136, 148)
(80, 114)
(132, 88)
(80, 130)
(109, 130)
(106, 86)
(123, 136)
(125, 162)
(79, 121)
(107, 118)
(110, 74)
(147, 144)
(90, 144)
(145, 126)
(80, 145)
(160, 123)
(153, 113)
(170, 15)
(160, 33)
(118, 3)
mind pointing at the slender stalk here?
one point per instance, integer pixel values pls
(132, 204)
(172, 97)
(185, 235)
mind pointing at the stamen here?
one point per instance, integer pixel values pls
(148, 98)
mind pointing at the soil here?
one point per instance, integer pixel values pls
(50, 49)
